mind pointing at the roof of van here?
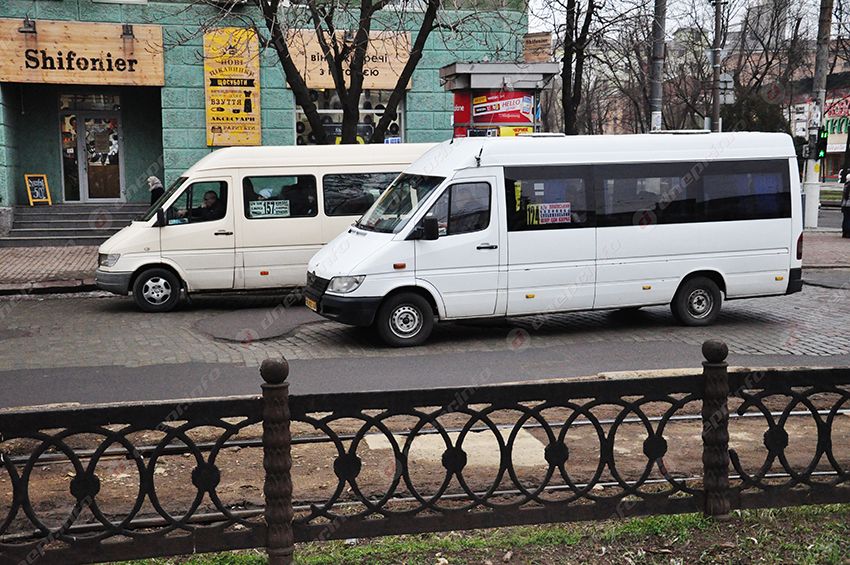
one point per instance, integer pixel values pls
(586, 149)
(311, 155)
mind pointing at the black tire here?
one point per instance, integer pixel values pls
(156, 290)
(404, 320)
(697, 302)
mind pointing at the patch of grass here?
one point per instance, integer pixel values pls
(678, 525)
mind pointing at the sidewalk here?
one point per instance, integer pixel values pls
(71, 268)
(47, 269)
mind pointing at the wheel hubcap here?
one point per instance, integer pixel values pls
(700, 303)
(405, 321)
(156, 290)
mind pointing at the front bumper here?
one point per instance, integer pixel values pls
(118, 283)
(354, 311)
(795, 281)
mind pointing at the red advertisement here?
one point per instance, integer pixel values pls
(503, 108)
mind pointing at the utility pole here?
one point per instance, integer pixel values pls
(812, 182)
(657, 69)
(715, 65)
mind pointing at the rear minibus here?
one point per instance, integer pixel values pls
(246, 219)
(483, 228)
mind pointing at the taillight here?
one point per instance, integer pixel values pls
(800, 247)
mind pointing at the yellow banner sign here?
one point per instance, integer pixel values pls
(386, 56)
(510, 131)
(47, 51)
(232, 87)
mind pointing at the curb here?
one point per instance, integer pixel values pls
(48, 287)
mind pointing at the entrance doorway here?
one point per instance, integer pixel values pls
(92, 148)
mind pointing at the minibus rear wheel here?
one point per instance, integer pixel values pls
(697, 302)
(156, 290)
(404, 320)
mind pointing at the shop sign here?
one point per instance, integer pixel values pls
(515, 107)
(232, 87)
(537, 47)
(386, 57)
(64, 52)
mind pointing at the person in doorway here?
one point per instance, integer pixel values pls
(155, 188)
(845, 209)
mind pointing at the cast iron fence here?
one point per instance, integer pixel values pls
(558, 451)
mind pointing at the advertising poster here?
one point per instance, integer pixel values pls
(232, 87)
(513, 108)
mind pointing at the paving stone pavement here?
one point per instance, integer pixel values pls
(102, 330)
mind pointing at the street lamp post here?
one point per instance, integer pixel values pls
(715, 65)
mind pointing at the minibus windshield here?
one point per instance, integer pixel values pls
(397, 204)
(166, 195)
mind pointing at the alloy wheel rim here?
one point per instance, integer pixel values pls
(405, 321)
(700, 303)
(156, 290)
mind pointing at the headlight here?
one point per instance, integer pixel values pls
(345, 285)
(109, 260)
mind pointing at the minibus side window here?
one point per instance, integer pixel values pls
(200, 202)
(351, 194)
(746, 190)
(648, 193)
(463, 208)
(540, 198)
(292, 196)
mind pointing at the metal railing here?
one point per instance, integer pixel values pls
(605, 448)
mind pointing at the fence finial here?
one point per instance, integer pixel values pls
(714, 351)
(274, 371)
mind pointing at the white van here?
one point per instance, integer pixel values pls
(482, 228)
(247, 218)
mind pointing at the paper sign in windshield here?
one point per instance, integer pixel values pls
(269, 209)
(550, 213)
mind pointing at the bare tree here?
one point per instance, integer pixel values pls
(345, 30)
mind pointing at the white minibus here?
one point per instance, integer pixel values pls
(246, 218)
(482, 228)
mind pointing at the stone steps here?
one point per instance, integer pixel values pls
(61, 224)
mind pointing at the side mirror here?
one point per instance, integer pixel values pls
(160, 218)
(431, 228)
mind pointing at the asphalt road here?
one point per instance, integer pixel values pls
(86, 385)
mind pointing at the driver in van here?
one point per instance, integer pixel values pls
(212, 209)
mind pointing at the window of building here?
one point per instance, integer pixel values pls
(90, 102)
(351, 194)
(200, 202)
(291, 196)
(463, 208)
(372, 105)
(540, 198)
(647, 193)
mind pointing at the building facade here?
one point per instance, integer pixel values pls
(125, 98)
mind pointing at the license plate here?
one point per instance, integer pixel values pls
(311, 304)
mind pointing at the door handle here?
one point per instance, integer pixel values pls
(487, 246)
(223, 232)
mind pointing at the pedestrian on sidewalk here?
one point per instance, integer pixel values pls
(155, 186)
(845, 209)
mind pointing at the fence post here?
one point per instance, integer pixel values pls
(715, 429)
(277, 462)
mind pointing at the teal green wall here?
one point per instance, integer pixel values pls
(39, 148)
(10, 172)
(141, 124)
(428, 108)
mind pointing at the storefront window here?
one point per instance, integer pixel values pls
(372, 105)
(90, 102)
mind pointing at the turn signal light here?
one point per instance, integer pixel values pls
(264, 273)
(800, 247)
(399, 266)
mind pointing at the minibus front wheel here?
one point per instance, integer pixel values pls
(156, 290)
(404, 320)
(697, 302)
